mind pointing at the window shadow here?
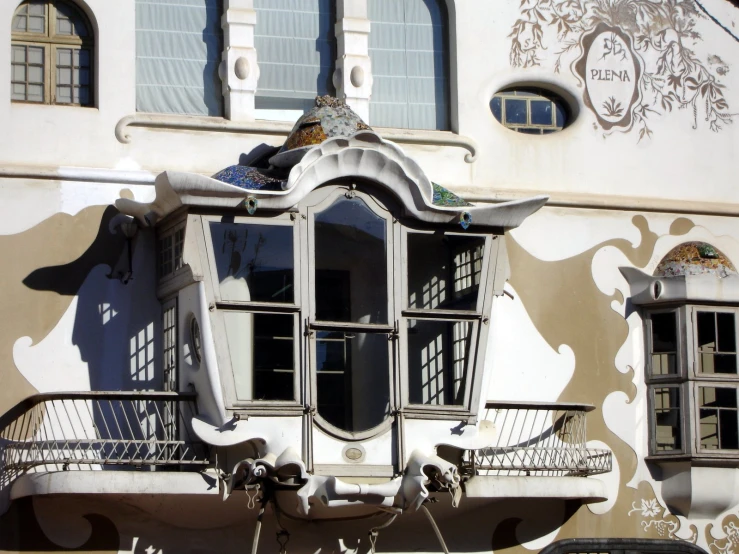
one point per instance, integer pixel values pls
(213, 40)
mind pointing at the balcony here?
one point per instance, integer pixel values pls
(59, 442)
(543, 443)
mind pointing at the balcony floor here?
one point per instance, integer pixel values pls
(587, 489)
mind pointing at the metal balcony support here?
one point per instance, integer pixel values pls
(538, 439)
(88, 430)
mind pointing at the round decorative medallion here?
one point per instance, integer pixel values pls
(353, 453)
(241, 68)
(195, 339)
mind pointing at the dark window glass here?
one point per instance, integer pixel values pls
(254, 262)
(438, 352)
(541, 112)
(667, 419)
(352, 376)
(262, 353)
(351, 263)
(719, 427)
(495, 106)
(664, 343)
(515, 111)
(716, 342)
(444, 271)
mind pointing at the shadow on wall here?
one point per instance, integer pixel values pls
(116, 327)
(213, 42)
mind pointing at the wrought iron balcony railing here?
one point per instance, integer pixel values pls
(538, 439)
(89, 430)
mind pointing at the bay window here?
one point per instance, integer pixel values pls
(345, 309)
(693, 380)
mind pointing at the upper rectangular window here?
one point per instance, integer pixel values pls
(297, 49)
(179, 44)
(51, 54)
(408, 46)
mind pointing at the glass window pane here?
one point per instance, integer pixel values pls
(261, 347)
(353, 379)
(515, 111)
(36, 74)
(20, 23)
(36, 55)
(64, 57)
(716, 342)
(83, 76)
(84, 58)
(64, 95)
(84, 95)
(63, 76)
(726, 332)
(37, 8)
(438, 352)
(36, 24)
(668, 422)
(19, 73)
(36, 93)
(496, 106)
(351, 263)
(19, 54)
(719, 427)
(444, 271)
(664, 343)
(19, 91)
(254, 262)
(541, 112)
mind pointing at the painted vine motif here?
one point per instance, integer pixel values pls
(663, 37)
(656, 517)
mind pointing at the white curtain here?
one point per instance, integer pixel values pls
(296, 51)
(178, 49)
(410, 64)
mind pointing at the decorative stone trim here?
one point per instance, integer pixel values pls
(238, 70)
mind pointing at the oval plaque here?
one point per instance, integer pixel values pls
(353, 453)
(610, 71)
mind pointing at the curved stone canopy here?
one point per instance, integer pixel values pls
(695, 258)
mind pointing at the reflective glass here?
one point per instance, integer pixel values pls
(541, 112)
(261, 347)
(353, 379)
(351, 263)
(254, 262)
(438, 354)
(664, 343)
(444, 271)
(515, 111)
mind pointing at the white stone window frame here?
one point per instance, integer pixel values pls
(219, 306)
(51, 42)
(352, 76)
(170, 232)
(688, 379)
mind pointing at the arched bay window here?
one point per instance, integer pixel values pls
(347, 307)
(52, 52)
(409, 49)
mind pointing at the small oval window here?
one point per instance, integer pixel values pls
(532, 111)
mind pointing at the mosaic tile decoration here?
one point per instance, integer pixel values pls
(445, 197)
(248, 178)
(695, 258)
(330, 117)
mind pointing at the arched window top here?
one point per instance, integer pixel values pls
(52, 54)
(409, 49)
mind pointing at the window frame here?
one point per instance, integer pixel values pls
(50, 41)
(476, 317)
(219, 306)
(688, 379)
(314, 204)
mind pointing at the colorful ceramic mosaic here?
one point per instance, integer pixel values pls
(330, 117)
(444, 197)
(248, 178)
(695, 258)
